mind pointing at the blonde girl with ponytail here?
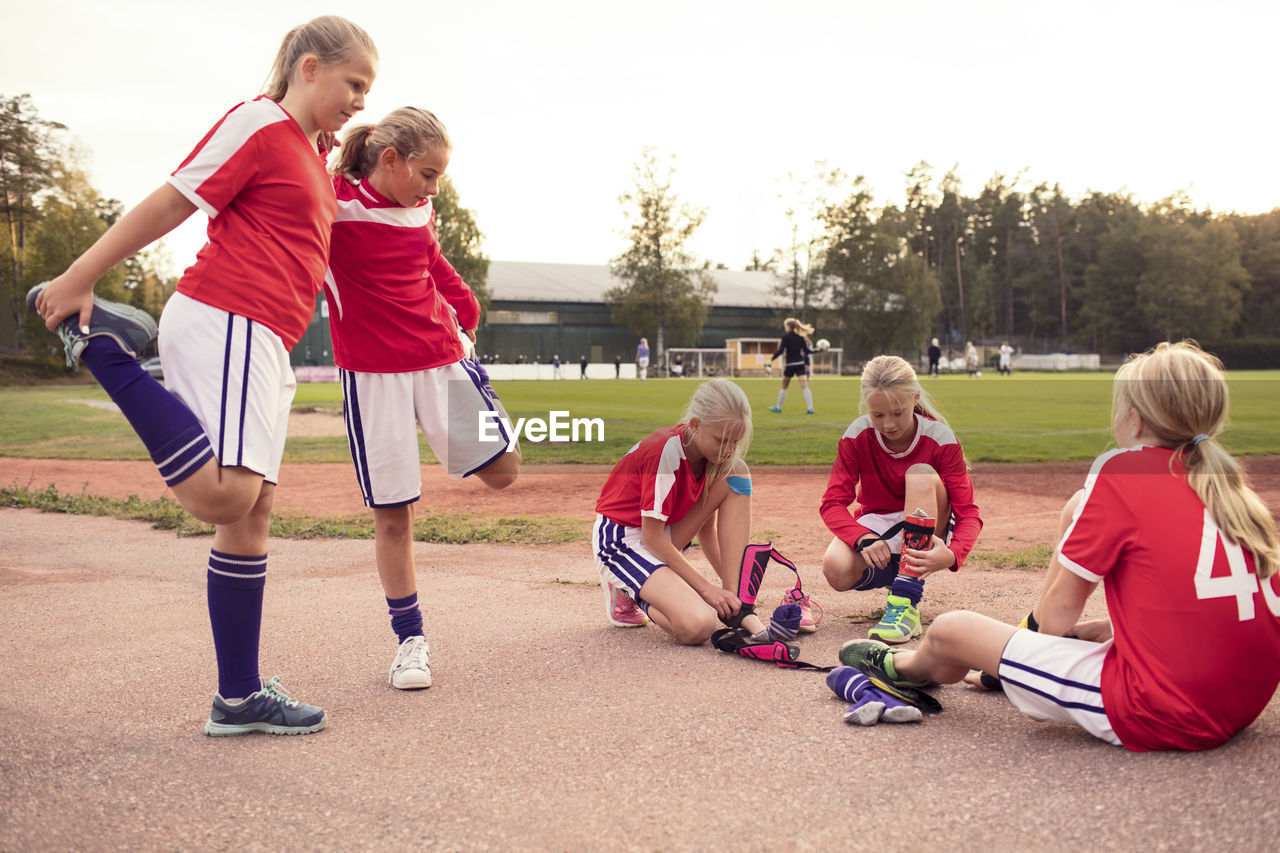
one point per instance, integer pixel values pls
(1186, 554)
(795, 350)
(216, 429)
(403, 324)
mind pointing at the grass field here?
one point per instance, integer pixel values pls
(1029, 417)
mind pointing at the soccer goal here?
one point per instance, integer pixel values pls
(698, 362)
(827, 362)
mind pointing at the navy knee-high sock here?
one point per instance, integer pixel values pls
(235, 586)
(907, 586)
(406, 617)
(175, 439)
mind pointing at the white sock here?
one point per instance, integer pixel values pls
(808, 397)
(782, 395)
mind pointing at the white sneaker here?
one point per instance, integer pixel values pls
(412, 667)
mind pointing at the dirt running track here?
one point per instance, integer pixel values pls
(545, 728)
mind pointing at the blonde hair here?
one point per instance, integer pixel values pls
(894, 377)
(1181, 394)
(330, 38)
(411, 132)
(721, 403)
(791, 324)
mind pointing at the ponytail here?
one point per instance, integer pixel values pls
(410, 131)
(1181, 394)
(330, 38)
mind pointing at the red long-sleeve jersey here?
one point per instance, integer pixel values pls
(868, 477)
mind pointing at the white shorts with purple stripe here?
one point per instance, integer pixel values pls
(1057, 678)
(384, 410)
(622, 558)
(234, 375)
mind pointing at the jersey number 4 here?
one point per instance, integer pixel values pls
(1239, 583)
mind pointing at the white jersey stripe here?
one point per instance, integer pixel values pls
(236, 128)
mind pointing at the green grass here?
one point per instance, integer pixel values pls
(1029, 417)
(441, 528)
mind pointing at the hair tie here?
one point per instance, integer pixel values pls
(1195, 442)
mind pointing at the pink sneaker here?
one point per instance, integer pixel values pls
(622, 609)
(807, 623)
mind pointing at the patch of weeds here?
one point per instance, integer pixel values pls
(443, 528)
(1034, 558)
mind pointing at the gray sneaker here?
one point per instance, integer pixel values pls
(411, 669)
(269, 710)
(131, 328)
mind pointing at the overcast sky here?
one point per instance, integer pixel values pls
(550, 103)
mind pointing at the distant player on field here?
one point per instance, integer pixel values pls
(795, 350)
(1187, 556)
(396, 307)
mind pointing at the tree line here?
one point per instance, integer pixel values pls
(1017, 261)
(52, 214)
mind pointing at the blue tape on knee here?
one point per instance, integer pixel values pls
(741, 485)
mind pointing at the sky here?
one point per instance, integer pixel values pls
(551, 103)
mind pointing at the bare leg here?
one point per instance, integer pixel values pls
(842, 566)
(956, 642)
(393, 550)
(218, 495)
(722, 520)
(247, 536)
(677, 609)
(502, 471)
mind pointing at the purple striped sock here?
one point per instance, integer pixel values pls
(170, 432)
(406, 617)
(235, 586)
(908, 587)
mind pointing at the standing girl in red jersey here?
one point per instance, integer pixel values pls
(1187, 555)
(898, 457)
(217, 431)
(396, 305)
(682, 481)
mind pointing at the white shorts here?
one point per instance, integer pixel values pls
(1057, 678)
(234, 375)
(384, 410)
(879, 522)
(622, 558)
(643, 362)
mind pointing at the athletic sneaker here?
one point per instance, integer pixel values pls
(622, 609)
(269, 710)
(776, 410)
(131, 328)
(807, 623)
(900, 622)
(810, 412)
(876, 660)
(411, 669)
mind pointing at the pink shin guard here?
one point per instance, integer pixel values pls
(755, 558)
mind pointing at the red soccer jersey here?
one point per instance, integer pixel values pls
(390, 288)
(1197, 638)
(654, 479)
(868, 473)
(270, 206)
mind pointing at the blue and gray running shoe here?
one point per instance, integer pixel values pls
(269, 710)
(131, 328)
